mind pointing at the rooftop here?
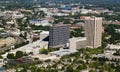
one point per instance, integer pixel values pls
(93, 18)
(79, 38)
(60, 25)
(63, 52)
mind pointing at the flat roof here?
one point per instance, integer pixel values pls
(93, 18)
(45, 32)
(78, 38)
(36, 20)
(63, 52)
(81, 39)
(60, 25)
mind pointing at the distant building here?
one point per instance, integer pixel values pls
(101, 10)
(112, 46)
(1, 63)
(1, 14)
(17, 16)
(4, 34)
(93, 31)
(74, 27)
(38, 22)
(58, 35)
(117, 30)
(85, 11)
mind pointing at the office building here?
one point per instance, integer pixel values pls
(77, 43)
(58, 35)
(93, 31)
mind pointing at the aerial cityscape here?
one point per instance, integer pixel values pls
(59, 35)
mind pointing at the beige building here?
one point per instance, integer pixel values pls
(93, 31)
(72, 44)
(81, 42)
(77, 43)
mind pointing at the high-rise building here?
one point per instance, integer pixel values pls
(93, 31)
(58, 35)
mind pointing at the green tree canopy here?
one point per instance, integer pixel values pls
(19, 54)
(10, 56)
(43, 51)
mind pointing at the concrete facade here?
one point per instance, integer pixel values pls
(81, 42)
(93, 31)
(77, 43)
(72, 44)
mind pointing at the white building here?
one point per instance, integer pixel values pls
(40, 22)
(1, 14)
(10, 22)
(77, 43)
(72, 44)
(117, 30)
(62, 52)
(111, 46)
(17, 16)
(60, 14)
(14, 31)
(93, 31)
(43, 9)
(44, 34)
(44, 57)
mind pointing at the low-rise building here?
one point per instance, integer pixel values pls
(77, 43)
(17, 16)
(62, 52)
(117, 30)
(112, 46)
(38, 22)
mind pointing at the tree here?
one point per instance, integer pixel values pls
(43, 51)
(117, 69)
(4, 22)
(77, 32)
(92, 71)
(1, 57)
(110, 30)
(76, 70)
(23, 36)
(48, 60)
(10, 56)
(69, 69)
(42, 14)
(66, 21)
(19, 54)
(82, 66)
(117, 53)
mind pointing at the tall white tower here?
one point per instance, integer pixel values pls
(93, 31)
